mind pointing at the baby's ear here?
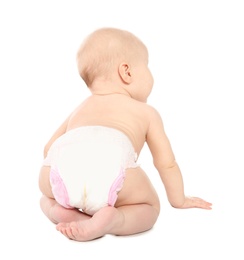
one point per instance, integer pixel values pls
(125, 72)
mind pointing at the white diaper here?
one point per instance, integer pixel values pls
(88, 167)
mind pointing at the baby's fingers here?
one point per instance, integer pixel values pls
(199, 203)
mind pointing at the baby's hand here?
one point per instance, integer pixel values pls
(194, 202)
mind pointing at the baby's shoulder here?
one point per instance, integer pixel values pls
(148, 114)
(149, 110)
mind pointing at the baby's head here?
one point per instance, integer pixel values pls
(103, 50)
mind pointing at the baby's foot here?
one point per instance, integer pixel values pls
(95, 227)
(79, 230)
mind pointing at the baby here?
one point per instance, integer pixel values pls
(90, 179)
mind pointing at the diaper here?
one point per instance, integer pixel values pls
(88, 167)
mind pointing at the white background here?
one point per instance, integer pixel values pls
(197, 59)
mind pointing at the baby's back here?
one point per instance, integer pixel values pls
(116, 111)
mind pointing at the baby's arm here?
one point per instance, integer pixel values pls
(165, 163)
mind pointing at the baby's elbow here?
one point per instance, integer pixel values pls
(161, 165)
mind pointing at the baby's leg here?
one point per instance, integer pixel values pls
(125, 220)
(57, 213)
(136, 210)
(135, 219)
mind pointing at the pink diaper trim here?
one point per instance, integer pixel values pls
(116, 187)
(58, 188)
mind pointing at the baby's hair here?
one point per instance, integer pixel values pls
(103, 49)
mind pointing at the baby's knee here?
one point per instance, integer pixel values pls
(156, 205)
(156, 210)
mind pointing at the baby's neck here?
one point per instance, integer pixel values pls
(108, 88)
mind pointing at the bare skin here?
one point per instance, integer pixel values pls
(120, 102)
